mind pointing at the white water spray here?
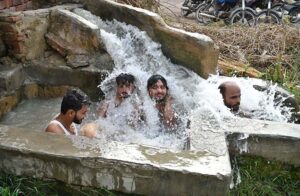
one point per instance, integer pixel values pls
(134, 52)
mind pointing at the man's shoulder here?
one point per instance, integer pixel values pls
(54, 128)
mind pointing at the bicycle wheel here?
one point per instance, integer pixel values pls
(242, 17)
(271, 18)
(294, 15)
(185, 10)
(205, 13)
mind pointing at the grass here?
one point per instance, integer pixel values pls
(258, 177)
(262, 177)
(18, 185)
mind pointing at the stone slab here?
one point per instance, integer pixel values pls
(88, 78)
(11, 79)
(271, 140)
(116, 166)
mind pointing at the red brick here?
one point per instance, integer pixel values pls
(12, 19)
(8, 3)
(2, 4)
(7, 27)
(21, 7)
(17, 2)
(56, 43)
(14, 37)
(16, 47)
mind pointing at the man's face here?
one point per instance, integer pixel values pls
(80, 114)
(158, 91)
(232, 97)
(124, 90)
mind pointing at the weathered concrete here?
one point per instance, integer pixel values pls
(11, 79)
(44, 91)
(2, 48)
(74, 38)
(272, 140)
(8, 102)
(192, 50)
(25, 31)
(88, 78)
(126, 168)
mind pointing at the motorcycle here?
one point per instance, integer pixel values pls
(190, 6)
(290, 9)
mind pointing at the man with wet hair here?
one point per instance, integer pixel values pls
(231, 94)
(159, 92)
(125, 87)
(74, 108)
(113, 109)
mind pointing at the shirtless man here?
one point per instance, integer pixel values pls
(158, 91)
(74, 108)
(231, 94)
(125, 88)
(115, 109)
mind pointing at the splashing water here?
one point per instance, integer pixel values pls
(134, 52)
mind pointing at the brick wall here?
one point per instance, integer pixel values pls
(11, 36)
(15, 5)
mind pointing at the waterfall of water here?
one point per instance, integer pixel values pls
(134, 52)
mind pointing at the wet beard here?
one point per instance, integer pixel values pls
(125, 96)
(76, 120)
(235, 109)
(160, 101)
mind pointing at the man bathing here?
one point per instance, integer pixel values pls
(74, 108)
(231, 94)
(158, 91)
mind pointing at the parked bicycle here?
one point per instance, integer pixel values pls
(190, 6)
(268, 15)
(212, 10)
(290, 9)
(243, 16)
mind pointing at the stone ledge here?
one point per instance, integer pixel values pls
(271, 140)
(86, 79)
(12, 79)
(109, 165)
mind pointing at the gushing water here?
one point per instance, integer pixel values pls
(134, 52)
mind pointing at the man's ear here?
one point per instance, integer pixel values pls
(71, 112)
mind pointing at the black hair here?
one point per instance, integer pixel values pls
(222, 88)
(125, 78)
(74, 100)
(155, 78)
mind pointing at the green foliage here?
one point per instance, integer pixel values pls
(262, 177)
(14, 186)
(286, 74)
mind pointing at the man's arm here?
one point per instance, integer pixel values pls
(169, 116)
(103, 109)
(54, 128)
(89, 130)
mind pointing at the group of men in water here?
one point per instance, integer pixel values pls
(74, 106)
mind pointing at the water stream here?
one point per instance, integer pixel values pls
(134, 52)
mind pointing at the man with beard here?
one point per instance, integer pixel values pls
(158, 91)
(115, 110)
(231, 94)
(125, 88)
(74, 108)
